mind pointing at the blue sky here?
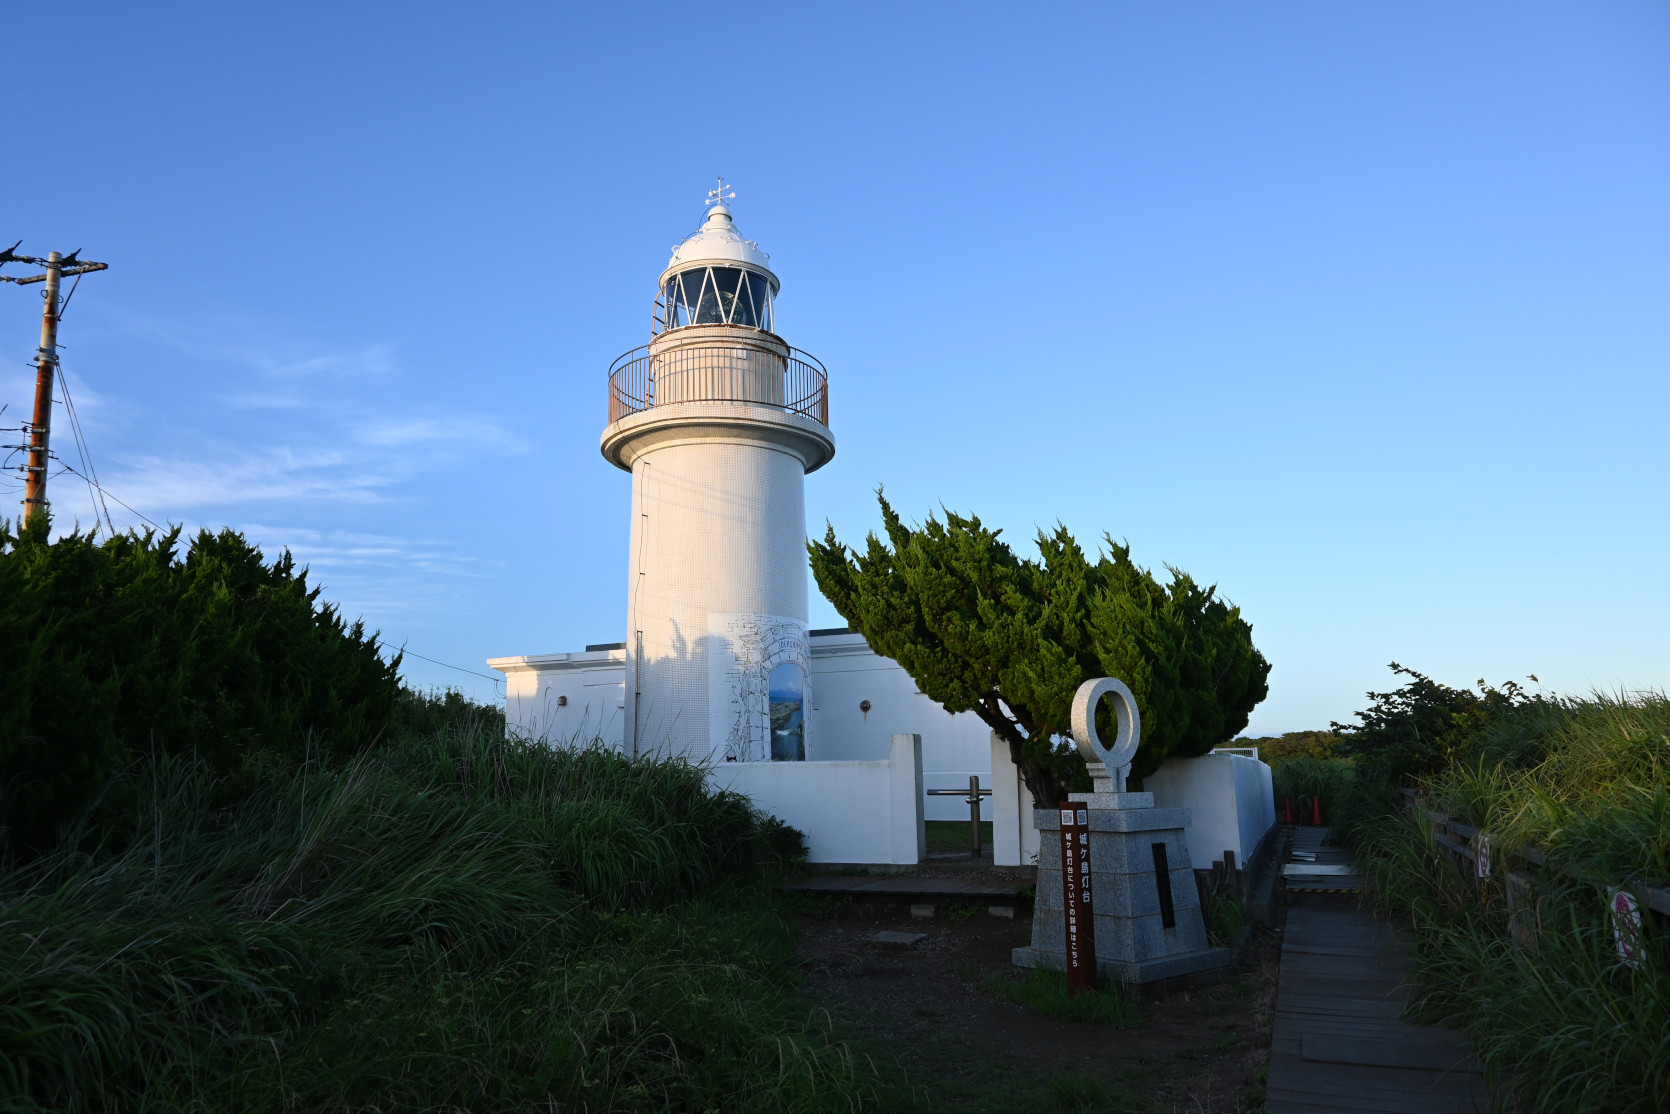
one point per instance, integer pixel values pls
(1361, 311)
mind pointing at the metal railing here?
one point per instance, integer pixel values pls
(972, 795)
(718, 372)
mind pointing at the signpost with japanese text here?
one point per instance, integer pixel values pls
(1078, 912)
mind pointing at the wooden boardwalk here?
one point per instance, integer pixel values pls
(1338, 1044)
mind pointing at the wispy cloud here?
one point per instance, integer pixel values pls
(396, 432)
(294, 440)
(233, 477)
(258, 345)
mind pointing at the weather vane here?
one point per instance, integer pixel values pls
(719, 196)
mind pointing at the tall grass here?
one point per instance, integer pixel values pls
(1303, 780)
(454, 922)
(1557, 1019)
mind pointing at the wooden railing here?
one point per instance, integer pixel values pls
(794, 382)
(1470, 849)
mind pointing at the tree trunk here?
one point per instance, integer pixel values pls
(1048, 791)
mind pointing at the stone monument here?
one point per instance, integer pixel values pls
(1148, 923)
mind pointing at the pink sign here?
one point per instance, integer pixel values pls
(1626, 926)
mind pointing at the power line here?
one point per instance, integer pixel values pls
(432, 661)
(105, 491)
(94, 492)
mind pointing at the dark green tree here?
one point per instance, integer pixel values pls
(1010, 639)
(126, 648)
(1422, 727)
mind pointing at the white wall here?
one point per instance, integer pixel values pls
(844, 673)
(1229, 798)
(851, 812)
(566, 699)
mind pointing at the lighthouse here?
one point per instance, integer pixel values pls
(718, 420)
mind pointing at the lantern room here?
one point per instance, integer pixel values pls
(716, 278)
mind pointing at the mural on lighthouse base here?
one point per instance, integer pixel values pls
(757, 687)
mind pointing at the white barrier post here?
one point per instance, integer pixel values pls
(908, 834)
(1009, 820)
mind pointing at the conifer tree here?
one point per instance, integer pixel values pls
(1010, 639)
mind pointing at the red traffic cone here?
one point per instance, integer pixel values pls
(1287, 810)
(1316, 811)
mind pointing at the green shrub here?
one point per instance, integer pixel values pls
(125, 648)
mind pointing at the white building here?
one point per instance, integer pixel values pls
(858, 701)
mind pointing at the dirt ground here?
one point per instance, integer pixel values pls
(920, 1011)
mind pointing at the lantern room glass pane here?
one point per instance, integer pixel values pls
(670, 298)
(708, 311)
(683, 300)
(760, 297)
(725, 283)
(743, 314)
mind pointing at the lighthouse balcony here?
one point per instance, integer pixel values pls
(755, 367)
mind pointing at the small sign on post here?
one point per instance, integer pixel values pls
(1482, 856)
(1626, 926)
(1078, 911)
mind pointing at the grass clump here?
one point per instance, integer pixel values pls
(1224, 918)
(454, 921)
(1046, 991)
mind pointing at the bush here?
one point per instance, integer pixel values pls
(454, 921)
(124, 648)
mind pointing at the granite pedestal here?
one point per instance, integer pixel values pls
(1133, 945)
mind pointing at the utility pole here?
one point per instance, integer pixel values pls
(39, 430)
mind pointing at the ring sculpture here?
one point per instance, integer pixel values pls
(1107, 762)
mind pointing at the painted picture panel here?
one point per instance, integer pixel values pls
(757, 666)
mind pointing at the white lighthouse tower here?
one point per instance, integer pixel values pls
(718, 420)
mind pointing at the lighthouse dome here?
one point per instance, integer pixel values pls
(718, 241)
